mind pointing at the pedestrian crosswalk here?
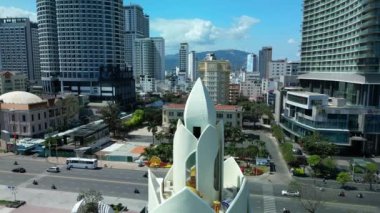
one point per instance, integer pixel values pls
(268, 199)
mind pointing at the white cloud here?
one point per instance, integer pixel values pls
(291, 41)
(12, 12)
(200, 33)
(241, 27)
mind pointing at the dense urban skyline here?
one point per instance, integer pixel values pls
(212, 25)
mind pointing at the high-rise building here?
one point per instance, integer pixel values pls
(183, 57)
(265, 56)
(251, 63)
(282, 67)
(215, 75)
(340, 60)
(136, 26)
(149, 61)
(19, 50)
(82, 48)
(192, 66)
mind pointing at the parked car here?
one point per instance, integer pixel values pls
(290, 193)
(19, 170)
(53, 169)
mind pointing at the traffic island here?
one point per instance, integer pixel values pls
(12, 204)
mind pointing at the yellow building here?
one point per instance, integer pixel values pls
(215, 75)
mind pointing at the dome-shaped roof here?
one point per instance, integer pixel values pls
(20, 97)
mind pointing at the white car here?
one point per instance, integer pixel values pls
(290, 193)
(53, 169)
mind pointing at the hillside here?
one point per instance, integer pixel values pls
(237, 58)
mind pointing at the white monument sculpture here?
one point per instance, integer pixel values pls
(200, 180)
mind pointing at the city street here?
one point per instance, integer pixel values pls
(266, 195)
(110, 182)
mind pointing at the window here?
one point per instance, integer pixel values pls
(39, 127)
(179, 114)
(24, 129)
(171, 113)
(23, 118)
(219, 115)
(32, 117)
(39, 116)
(229, 115)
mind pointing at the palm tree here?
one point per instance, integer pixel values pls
(110, 115)
(152, 127)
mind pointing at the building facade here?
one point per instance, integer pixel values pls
(19, 49)
(79, 42)
(149, 60)
(265, 56)
(234, 95)
(251, 86)
(345, 72)
(230, 114)
(215, 74)
(26, 115)
(183, 57)
(251, 63)
(192, 72)
(136, 26)
(13, 81)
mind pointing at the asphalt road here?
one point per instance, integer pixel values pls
(110, 182)
(266, 190)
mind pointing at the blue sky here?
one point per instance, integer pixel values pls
(212, 24)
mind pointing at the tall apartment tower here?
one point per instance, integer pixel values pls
(19, 49)
(215, 75)
(265, 56)
(252, 63)
(183, 57)
(149, 60)
(340, 59)
(192, 73)
(136, 26)
(82, 48)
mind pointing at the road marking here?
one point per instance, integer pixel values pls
(268, 199)
(39, 176)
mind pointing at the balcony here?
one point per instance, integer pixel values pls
(330, 124)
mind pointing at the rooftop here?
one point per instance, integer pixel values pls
(20, 97)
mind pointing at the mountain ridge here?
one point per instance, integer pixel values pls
(237, 58)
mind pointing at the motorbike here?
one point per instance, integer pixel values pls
(35, 182)
(137, 191)
(53, 187)
(15, 163)
(359, 195)
(341, 194)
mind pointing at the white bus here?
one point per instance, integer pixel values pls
(83, 163)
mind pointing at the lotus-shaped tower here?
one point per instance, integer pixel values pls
(200, 180)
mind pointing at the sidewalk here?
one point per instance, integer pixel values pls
(56, 201)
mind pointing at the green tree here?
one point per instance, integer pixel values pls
(314, 160)
(136, 119)
(91, 199)
(71, 105)
(287, 152)
(278, 133)
(369, 175)
(152, 127)
(316, 145)
(110, 115)
(343, 178)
